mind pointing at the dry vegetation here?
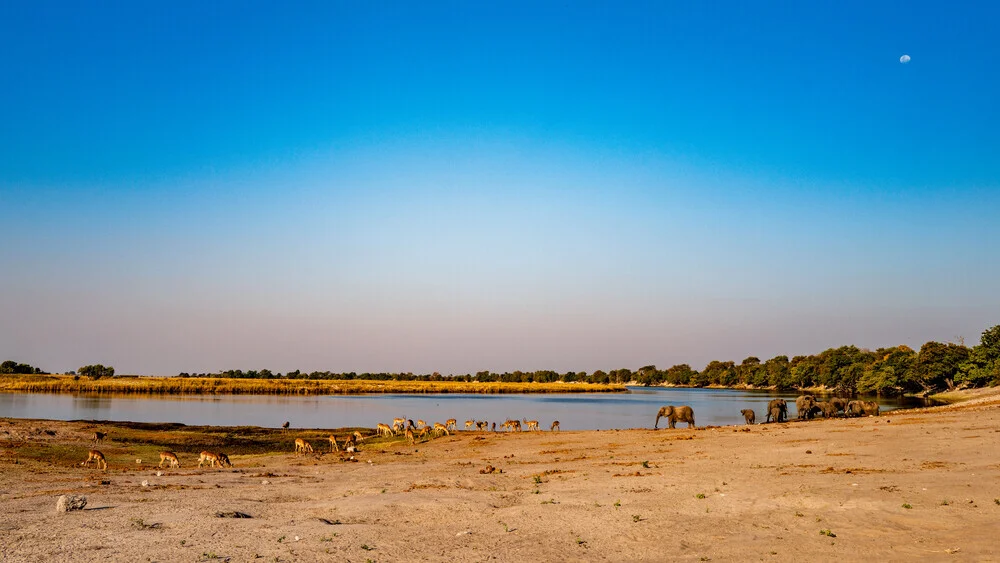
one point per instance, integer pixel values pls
(224, 386)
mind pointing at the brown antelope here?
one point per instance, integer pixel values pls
(171, 457)
(421, 423)
(409, 436)
(400, 422)
(555, 426)
(333, 444)
(531, 424)
(301, 446)
(358, 437)
(214, 459)
(94, 455)
(451, 423)
(99, 437)
(510, 424)
(482, 426)
(469, 424)
(383, 430)
(424, 431)
(397, 428)
(442, 427)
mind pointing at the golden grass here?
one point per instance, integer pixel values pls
(226, 386)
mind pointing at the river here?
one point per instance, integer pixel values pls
(582, 411)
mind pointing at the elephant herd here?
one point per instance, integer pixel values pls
(806, 408)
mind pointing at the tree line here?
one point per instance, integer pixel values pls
(848, 369)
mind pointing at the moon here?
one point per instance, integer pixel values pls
(904, 59)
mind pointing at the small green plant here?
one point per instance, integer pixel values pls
(827, 533)
(538, 479)
(383, 491)
(328, 538)
(945, 503)
(536, 492)
(645, 464)
(907, 505)
(281, 539)
(209, 555)
(550, 501)
(618, 503)
(367, 547)
(636, 518)
(581, 542)
(699, 495)
(799, 514)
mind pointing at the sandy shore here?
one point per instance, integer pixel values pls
(917, 485)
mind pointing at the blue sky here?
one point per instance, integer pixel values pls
(455, 187)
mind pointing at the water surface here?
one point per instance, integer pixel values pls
(576, 411)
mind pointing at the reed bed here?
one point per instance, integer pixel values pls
(225, 386)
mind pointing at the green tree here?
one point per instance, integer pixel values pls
(97, 371)
(937, 364)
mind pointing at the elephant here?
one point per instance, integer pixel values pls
(839, 402)
(748, 415)
(870, 408)
(777, 411)
(827, 408)
(804, 405)
(675, 415)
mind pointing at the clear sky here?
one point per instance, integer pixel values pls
(459, 186)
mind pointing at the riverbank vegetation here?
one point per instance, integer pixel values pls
(847, 370)
(232, 386)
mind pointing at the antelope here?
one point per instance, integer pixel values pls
(451, 423)
(94, 455)
(512, 424)
(425, 430)
(482, 426)
(409, 436)
(397, 427)
(421, 423)
(333, 444)
(409, 423)
(285, 425)
(555, 426)
(357, 436)
(99, 437)
(301, 446)
(401, 422)
(441, 427)
(469, 424)
(214, 459)
(531, 424)
(171, 457)
(384, 430)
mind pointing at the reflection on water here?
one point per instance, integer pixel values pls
(574, 411)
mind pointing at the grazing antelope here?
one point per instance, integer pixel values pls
(401, 422)
(451, 423)
(421, 423)
(512, 424)
(383, 429)
(171, 457)
(397, 428)
(442, 427)
(409, 436)
(358, 437)
(424, 431)
(333, 444)
(285, 425)
(94, 455)
(301, 446)
(99, 437)
(214, 459)
(531, 424)
(469, 424)
(555, 426)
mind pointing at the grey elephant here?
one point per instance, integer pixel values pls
(862, 408)
(777, 411)
(804, 405)
(674, 415)
(839, 403)
(748, 415)
(826, 408)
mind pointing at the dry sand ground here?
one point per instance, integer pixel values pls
(920, 485)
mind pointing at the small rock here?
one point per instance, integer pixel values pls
(809, 451)
(296, 538)
(67, 503)
(159, 474)
(265, 482)
(145, 483)
(138, 462)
